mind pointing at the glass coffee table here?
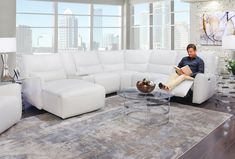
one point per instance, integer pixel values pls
(151, 109)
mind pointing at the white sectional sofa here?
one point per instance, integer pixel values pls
(68, 84)
(10, 105)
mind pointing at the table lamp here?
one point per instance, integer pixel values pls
(7, 45)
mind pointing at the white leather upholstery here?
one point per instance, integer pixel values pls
(182, 89)
(32, 88)
(210, 60)
(112, 60)
(110, 81)
(68, 63)
(10, 105)
(87, 63)
(92, 74)
(70, 97)
(40, 63)
(162, 61)
(50, 75)
(126, 78)
(44, 73)
(137, 60)
(204, 87)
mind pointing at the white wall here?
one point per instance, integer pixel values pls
(8, 25)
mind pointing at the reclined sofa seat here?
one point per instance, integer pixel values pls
(47, 87)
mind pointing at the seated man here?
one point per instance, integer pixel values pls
(195, 63)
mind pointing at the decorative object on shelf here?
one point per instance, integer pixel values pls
(7, 45)
(231, 66)
(16, 76)
(145, 86)
(215, 25)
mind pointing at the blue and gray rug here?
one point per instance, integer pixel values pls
(106, 134)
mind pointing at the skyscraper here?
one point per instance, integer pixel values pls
(181, 35)
(144, 31)
(68, 35)
(98, 32)
(24, 39)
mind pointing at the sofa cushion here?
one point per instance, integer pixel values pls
(68, 63)
(126, 78)
(162, 61)
(137, 60)
(112, 60)
(50, 75)
(87, 63)
(70, 97)
(39, 63)
(110, 81)
(211, 61)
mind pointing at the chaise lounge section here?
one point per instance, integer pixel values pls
(47, 87)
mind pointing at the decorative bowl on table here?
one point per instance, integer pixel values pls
(145, 86)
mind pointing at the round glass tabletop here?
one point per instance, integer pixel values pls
(133, 93)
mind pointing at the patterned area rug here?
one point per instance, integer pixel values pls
(105, 134)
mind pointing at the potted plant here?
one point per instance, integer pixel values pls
(231, 66)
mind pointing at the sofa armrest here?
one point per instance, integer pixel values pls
(32, 88)
(204, 87)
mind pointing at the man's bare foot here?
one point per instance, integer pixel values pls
(163, 87)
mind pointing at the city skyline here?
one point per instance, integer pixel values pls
(70, 35)
(106, 30)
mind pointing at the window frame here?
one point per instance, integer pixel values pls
(91, 27)
(151, 26)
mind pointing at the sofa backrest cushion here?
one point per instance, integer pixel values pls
(112, 60)
(210, 60)
(162, 61)
(50, 75)
(87, 63)
(47, 66)
(68, 63)
(137, 60)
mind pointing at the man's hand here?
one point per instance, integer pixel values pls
(179, 72)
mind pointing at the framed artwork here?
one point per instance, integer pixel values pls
(216, 25)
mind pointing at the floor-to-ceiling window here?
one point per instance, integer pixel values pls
(52, 26)
(35, 26)
(159, 24)
(107, 27)
(73, 27)
(140, 26)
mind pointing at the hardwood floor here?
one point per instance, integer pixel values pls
(220, 144)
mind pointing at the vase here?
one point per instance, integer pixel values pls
(5, 76)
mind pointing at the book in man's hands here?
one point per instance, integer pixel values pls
(186, 70)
